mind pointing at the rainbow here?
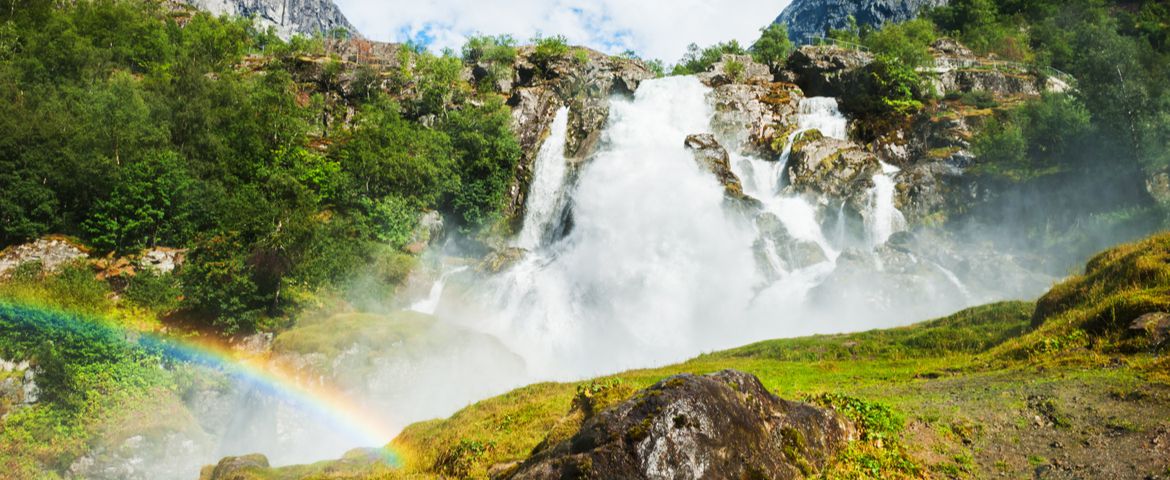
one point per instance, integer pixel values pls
(329, 405)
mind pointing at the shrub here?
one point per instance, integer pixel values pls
(217, 281)
(157, 291)
(699, 60)
(734, 69)
(549, 50)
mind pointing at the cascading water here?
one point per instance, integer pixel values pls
(882, 218)
(545, 195)
(652, 257)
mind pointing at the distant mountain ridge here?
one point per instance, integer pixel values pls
(290, 17)
(808, 19)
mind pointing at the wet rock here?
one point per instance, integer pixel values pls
(741, 69)
(724, 425)
(51, 252)
(502, 259)
(831, 171)
(778, 249)
(712, 157)
(533, 110)
(827, 71)
(755, 119)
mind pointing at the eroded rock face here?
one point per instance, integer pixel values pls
(290, 17)
(827, 71)
(724, 425)
(808, 19)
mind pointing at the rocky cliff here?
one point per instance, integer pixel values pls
(290, 17)
(807, 19)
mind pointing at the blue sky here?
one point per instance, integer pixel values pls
(653, 28)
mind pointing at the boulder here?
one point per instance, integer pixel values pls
(1155, 326)
(776, 245)
(830, 170)
(712, 157)
(724, 425)
(246, 467)
(756, 119)
(826, 71)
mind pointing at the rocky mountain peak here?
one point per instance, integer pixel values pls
(290, 17)
(808, 19)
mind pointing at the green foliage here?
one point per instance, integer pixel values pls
(773, 47)
(906, 43)
(876, 421)
(699, 60)
(217, 281)
(149, 205)
(387, 154)
(157, 291)
(495, 53)
(734, 69)
(486, 153)
(1036, 139)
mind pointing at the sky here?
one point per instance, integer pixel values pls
(653, 28)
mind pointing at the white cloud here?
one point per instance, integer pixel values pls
(653, 28)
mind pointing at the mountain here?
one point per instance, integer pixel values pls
(807, 19)
(290, 17)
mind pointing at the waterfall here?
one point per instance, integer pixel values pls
(882, 217)
(822, 113)
(652, 259)
(548, 184)
(431, 304)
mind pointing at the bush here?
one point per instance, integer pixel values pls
(549, 50)
(157, 291)
(217, 281)
(734, 69)
(699, 60)
(495, 53)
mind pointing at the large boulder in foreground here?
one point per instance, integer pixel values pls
(724, 425)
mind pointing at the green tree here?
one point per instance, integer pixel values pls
(699, 60)
(217, 281)
(773, 47)
(148, 206)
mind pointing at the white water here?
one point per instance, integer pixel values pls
(548, 185)
(430, 304)
(882, 218)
